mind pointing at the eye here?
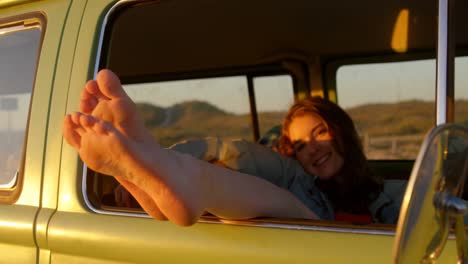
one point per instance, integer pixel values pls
(299, 146)
(322, 131)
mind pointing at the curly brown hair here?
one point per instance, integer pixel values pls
(355, 186)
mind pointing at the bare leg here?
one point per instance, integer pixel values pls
(143, 199)
(181, 186)
(105, 99)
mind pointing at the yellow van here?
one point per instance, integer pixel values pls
(397, 67)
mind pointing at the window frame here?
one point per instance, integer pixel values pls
(28, 21)
(300, 81)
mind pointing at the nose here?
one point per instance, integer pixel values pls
(312, 145)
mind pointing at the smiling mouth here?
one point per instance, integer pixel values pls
(322, 159)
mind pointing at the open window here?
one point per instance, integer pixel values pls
(195, 88)
(228, 107)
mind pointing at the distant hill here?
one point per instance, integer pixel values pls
(153, 115)
(395, 131)
(194, 119)
(193, 110)
(408, 117)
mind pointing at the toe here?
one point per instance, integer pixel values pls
(87, 106)
(70, 132)
(87, 121)
(109, 84)
(92, 92)
(103, 127)
(89, 97)
(92, 88)
(75, 117)
(95, 125)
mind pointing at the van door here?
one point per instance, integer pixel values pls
(81, 232)
(30, 37)
(84, 230)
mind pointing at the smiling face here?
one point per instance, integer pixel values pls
(314, 146)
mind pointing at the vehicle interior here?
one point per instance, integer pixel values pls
(302, 44)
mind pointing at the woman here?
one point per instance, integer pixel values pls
(322, 137)
(326, 169)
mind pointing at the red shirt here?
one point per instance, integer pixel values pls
(353, 218)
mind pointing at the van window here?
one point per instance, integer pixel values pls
(195, 108)
(19, 47)
(461, 90)
(173, 109)
(392, 105)
(187, 109)
(206, 88)
(273, 96)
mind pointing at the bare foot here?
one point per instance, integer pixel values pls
(104, 149)
(92, 138)
(105, 99)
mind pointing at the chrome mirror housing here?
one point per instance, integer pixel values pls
(432, 204)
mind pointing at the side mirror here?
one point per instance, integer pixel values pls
(432, 203)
